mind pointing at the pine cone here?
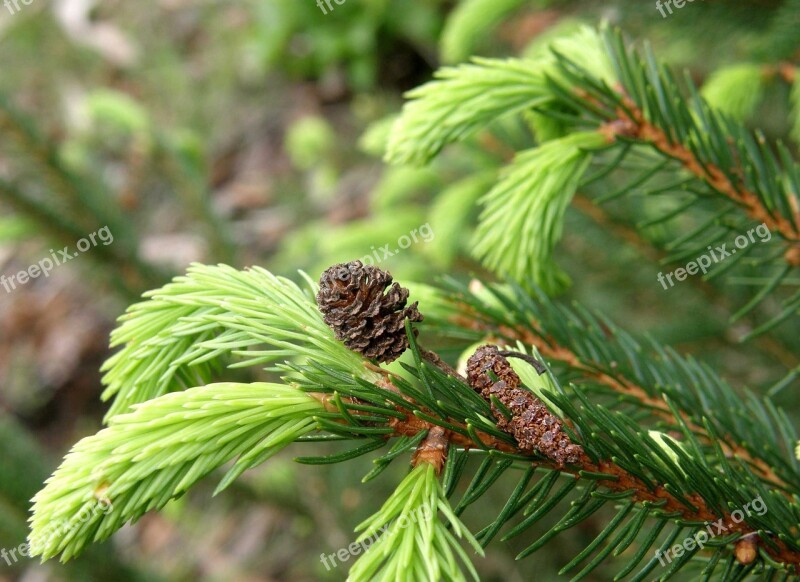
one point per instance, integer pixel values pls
(352, 300)
(533, 426)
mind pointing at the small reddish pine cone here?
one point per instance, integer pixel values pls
(366, 310)
(534, 427)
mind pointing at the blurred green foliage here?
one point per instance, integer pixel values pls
(258, 127)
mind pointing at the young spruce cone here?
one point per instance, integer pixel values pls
(352, 300)
(531, 423)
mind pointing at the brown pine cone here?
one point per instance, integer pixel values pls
(352, 300)
(533, 426)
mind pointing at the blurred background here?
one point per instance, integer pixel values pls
(251, 133)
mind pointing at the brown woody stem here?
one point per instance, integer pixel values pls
(433, 450)
(436, 360)
(618, 383)
(631, 123)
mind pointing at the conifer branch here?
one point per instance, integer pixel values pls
(625, 232)
(631, 123)
(215, 315)
(624, 387)
(621, 370)
(511, 417)
(426, 550)
(689, 507)
(155, 453)
(731, 177)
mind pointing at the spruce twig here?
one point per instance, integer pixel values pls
(617, 383)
